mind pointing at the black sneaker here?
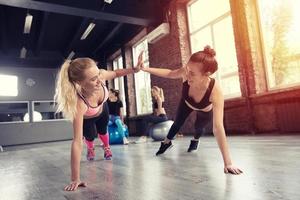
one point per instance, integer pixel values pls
(193, 146)
(163, 147)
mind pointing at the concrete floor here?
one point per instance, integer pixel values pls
(271, 166)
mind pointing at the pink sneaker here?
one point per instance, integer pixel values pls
(90, 154)
(107, 153)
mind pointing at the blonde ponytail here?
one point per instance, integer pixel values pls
(66, 93)
(67, 85)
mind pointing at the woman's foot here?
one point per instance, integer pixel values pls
(125, 140)
(90, 155)
(107, 153)
(193, 146)
(163, 147)
(142, 139)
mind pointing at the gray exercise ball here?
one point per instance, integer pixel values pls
(160, 130)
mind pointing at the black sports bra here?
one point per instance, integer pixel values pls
(204, 101)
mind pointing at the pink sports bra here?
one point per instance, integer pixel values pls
(91, 111)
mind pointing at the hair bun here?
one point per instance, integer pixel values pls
(208, 50)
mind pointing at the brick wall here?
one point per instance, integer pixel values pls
(277, 111)
(172, 52)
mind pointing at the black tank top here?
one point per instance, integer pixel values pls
(115, 107)
(204, 101)
(155, 105)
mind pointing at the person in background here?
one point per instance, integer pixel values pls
(115, 106)
(158, 115)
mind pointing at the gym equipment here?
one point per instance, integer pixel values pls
(160, 130)
(114, 136)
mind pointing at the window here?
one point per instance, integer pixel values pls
(210, 23)
(45, 110)
(8, 85)
(142, 81)
(280, 29)
(13, 111)
(119, 82)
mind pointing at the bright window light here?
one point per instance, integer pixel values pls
(8, 85)
(142, 80)
(281, 44)
(209, 23)
(119, 82)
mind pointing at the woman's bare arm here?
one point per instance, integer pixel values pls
(166, 73)
(76, 148)
(219, 131)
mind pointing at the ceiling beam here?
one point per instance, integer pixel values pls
(114, 31)
(81, 28)
(67, 10)
(3, 35)
(119, 43)
(42, 33)
(38, 62)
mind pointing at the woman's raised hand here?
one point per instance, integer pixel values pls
(140, 63)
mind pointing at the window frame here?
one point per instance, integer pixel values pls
(117, 81)
(45, 120)
(211, 25)
(146, 64)
(19, 122)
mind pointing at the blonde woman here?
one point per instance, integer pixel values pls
(200, 94)
(81, 95)
(158, 115)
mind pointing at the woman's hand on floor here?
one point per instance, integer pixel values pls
(74, 185)
(229, 169)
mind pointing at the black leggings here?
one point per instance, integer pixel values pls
(203, 119)
(96, 125)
